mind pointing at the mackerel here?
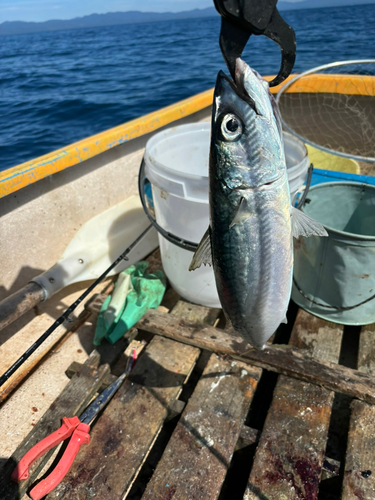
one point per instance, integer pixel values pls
(250, 238)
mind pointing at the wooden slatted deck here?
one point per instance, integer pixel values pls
(202, 418)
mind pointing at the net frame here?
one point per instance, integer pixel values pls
(317, 69)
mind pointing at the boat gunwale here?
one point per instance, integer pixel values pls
(20, 176)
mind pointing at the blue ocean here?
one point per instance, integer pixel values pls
(59, 87)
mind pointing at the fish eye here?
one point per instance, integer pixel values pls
(231, 127)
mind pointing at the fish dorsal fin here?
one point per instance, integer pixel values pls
(303, 225)
(242, 213)
(203, 253)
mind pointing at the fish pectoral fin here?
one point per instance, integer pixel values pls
(242, 214)
(203, 253)
(303, 225)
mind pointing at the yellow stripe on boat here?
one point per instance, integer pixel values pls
(16, 178)
(337, 84)
(13, 179)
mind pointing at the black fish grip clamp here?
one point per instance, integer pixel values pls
(242, 18)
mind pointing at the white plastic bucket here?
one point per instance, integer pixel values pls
(297, 163)
(176, 163)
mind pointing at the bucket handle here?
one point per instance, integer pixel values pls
(306, 190)
(338, 308)
(180, 242)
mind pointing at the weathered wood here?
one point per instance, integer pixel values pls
(72, 401)
(359, 475)
(290, 362)
(25, 406)
(120, 367)
(248, 436)
(95, 302)
(195, 313)
(199, 452)
(8, 354)
(125, 432)
(331, 468)
(366, 351)
(291, 450)
(76, 367)
(176, 408)
(170, 298)
(23, 371)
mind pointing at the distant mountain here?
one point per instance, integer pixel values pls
(115, 18)
(94, 20)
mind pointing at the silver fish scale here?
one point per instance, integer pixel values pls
(253, 267)
(251, 236)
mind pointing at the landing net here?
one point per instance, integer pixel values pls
(332, 108)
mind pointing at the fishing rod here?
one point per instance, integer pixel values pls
(65, 316)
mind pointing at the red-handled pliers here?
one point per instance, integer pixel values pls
(78, 429)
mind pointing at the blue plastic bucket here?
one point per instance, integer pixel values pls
(334, 276)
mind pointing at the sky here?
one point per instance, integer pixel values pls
(45, 10)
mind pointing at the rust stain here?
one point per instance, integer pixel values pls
(253, 383)
(83, 476)
(171, 490)
(183, 435)
(142, 410)
(302, 474)
(111, 445)
(354, 484)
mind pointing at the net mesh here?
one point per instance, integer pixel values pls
(333, 109)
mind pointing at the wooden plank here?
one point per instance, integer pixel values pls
(199, 452)
(26, 406)
(366, 351)
(175, 407)
(359, 475)
(290, 362)
(120, 367)
(248, 436)
(291, 450)
(13, 348)
(74, 398)
(24, 370)
(195, 313)
(75, 367)
(126, 430)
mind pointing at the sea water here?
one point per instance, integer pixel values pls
(59, 87)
